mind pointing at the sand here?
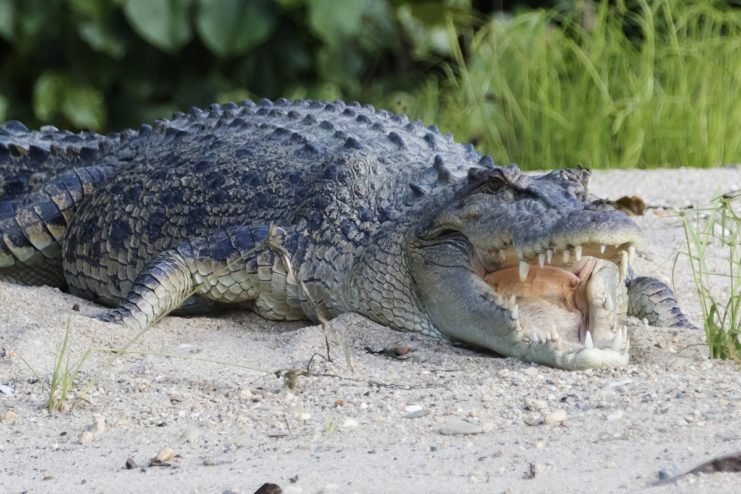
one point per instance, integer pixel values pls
(444, 419)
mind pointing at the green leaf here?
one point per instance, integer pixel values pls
(231, 27)
(102, 39)
(163, 23)
(290, 4)
(332, 22)
(84, 106)
(7, 18)
(3, 108)
(95, 9)
(56, 95)
(47, 95)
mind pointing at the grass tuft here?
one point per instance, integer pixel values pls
(602, 86)
(717, 225)
(64, 375)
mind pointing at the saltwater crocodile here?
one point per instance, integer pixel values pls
(305, 209)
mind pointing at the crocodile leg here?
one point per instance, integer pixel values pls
(653, 300)
(239, 265)
(32, 227)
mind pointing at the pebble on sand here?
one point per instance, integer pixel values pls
(555, 417)
(86, 439)
(163, 458)
(98, 424)
(457, 427)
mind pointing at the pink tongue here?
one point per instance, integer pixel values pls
(549, 283)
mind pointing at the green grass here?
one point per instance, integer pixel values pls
(718, 226)
(64, 375)
(541, 89)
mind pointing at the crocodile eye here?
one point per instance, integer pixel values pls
(486, 180)
(496, 182)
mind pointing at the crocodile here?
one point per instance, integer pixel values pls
(303, 210)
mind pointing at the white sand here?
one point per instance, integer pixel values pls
(235, 426)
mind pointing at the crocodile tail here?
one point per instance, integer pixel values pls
(30, 159)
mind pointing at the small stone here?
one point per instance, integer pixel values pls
(400, 350)
(9, 416)
(268, 488)
(555, 417)
(175, 397)
(533, 419)
(98, 423)
(350, 424)
(530, 371)
(163, 458)
(534, 404)
(456, 427)
(669, 472)
(190, 435)
(539, 445)
(130, 463)
(616, 415)
(86, 439)
(414, 411)
(293, 489)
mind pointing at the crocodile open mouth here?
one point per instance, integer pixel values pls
(567, 300)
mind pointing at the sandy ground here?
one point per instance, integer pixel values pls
(447, 419)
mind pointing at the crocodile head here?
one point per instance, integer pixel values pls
(529, 267)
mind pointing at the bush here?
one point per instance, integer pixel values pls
(623, 83)
(107, 64)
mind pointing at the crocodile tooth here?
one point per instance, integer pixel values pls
(512, 302)
(631, 253)
(534, 337)
(524, 268)
(549, 255)
(519, 254)
(515, 313)
(608, 304)
(566, 255)
(623, 264)
(518, 326)
(602, 248)
(577, 253)
(588, 341)
(541, 260)
(502, 254)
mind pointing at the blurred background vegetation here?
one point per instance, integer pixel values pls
(632, 83)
